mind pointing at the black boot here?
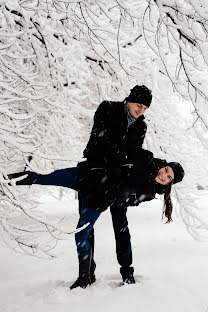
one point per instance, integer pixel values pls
(127, 274)
(91, 240)
(92, 271)
(84, 270)
(25, 181)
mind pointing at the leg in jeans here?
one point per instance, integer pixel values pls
(91, 241)
(87, 215)
(123, 242)
(122, 235)
(63, 177)
(68, 178)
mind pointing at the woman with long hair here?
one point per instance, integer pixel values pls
(100, 187)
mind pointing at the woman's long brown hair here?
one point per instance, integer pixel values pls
(168, 205)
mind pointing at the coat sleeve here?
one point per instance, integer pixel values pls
(137, 135)
(138, 156)
(100, 141)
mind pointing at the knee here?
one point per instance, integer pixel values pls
(82, 236)
(82, 245)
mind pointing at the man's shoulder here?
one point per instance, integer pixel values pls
(109, 109)
(112, 104)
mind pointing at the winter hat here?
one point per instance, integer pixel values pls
(178, 171)
(140, 94)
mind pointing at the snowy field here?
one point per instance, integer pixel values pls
(170, 268)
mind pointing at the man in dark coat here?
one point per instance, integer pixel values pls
(118, 126)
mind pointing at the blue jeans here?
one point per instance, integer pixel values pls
(68, 178)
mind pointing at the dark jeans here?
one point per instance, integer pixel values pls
(68, 178)
(122, 235)
(121, 232)
(85, 238)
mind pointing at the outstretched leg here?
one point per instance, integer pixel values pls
(64, 177)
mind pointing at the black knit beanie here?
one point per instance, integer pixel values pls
(178, 171)
(140, 94)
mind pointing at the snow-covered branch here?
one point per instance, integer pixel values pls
(177, 31)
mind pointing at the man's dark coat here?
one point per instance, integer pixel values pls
(110, 138)
(110, 142)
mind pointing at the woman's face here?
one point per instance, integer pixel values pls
(165, 175)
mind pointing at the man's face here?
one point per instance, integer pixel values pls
(136, 109)
(165, 175)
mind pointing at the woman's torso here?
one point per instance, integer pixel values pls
(123, 186)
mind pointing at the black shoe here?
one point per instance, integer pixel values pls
(82, 281)
(93, 278)
(24, 181)
(127, 274)
(85, 281)
(84, 270)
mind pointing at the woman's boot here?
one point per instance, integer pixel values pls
(24, 181)
(84, 270)
(92, 271)
(91, 240)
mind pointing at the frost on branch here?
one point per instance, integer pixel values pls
(33, 118)
(177, 30)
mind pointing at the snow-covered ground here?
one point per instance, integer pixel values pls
(170, 268)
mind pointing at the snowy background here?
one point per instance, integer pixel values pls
(58, 61)
(170, 268)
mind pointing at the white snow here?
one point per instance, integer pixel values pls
(170, 268)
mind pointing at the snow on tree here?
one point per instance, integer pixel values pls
(177, 32)
(59, 59)
(33, 112)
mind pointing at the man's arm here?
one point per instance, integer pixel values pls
(100, 143)
(137, 134)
